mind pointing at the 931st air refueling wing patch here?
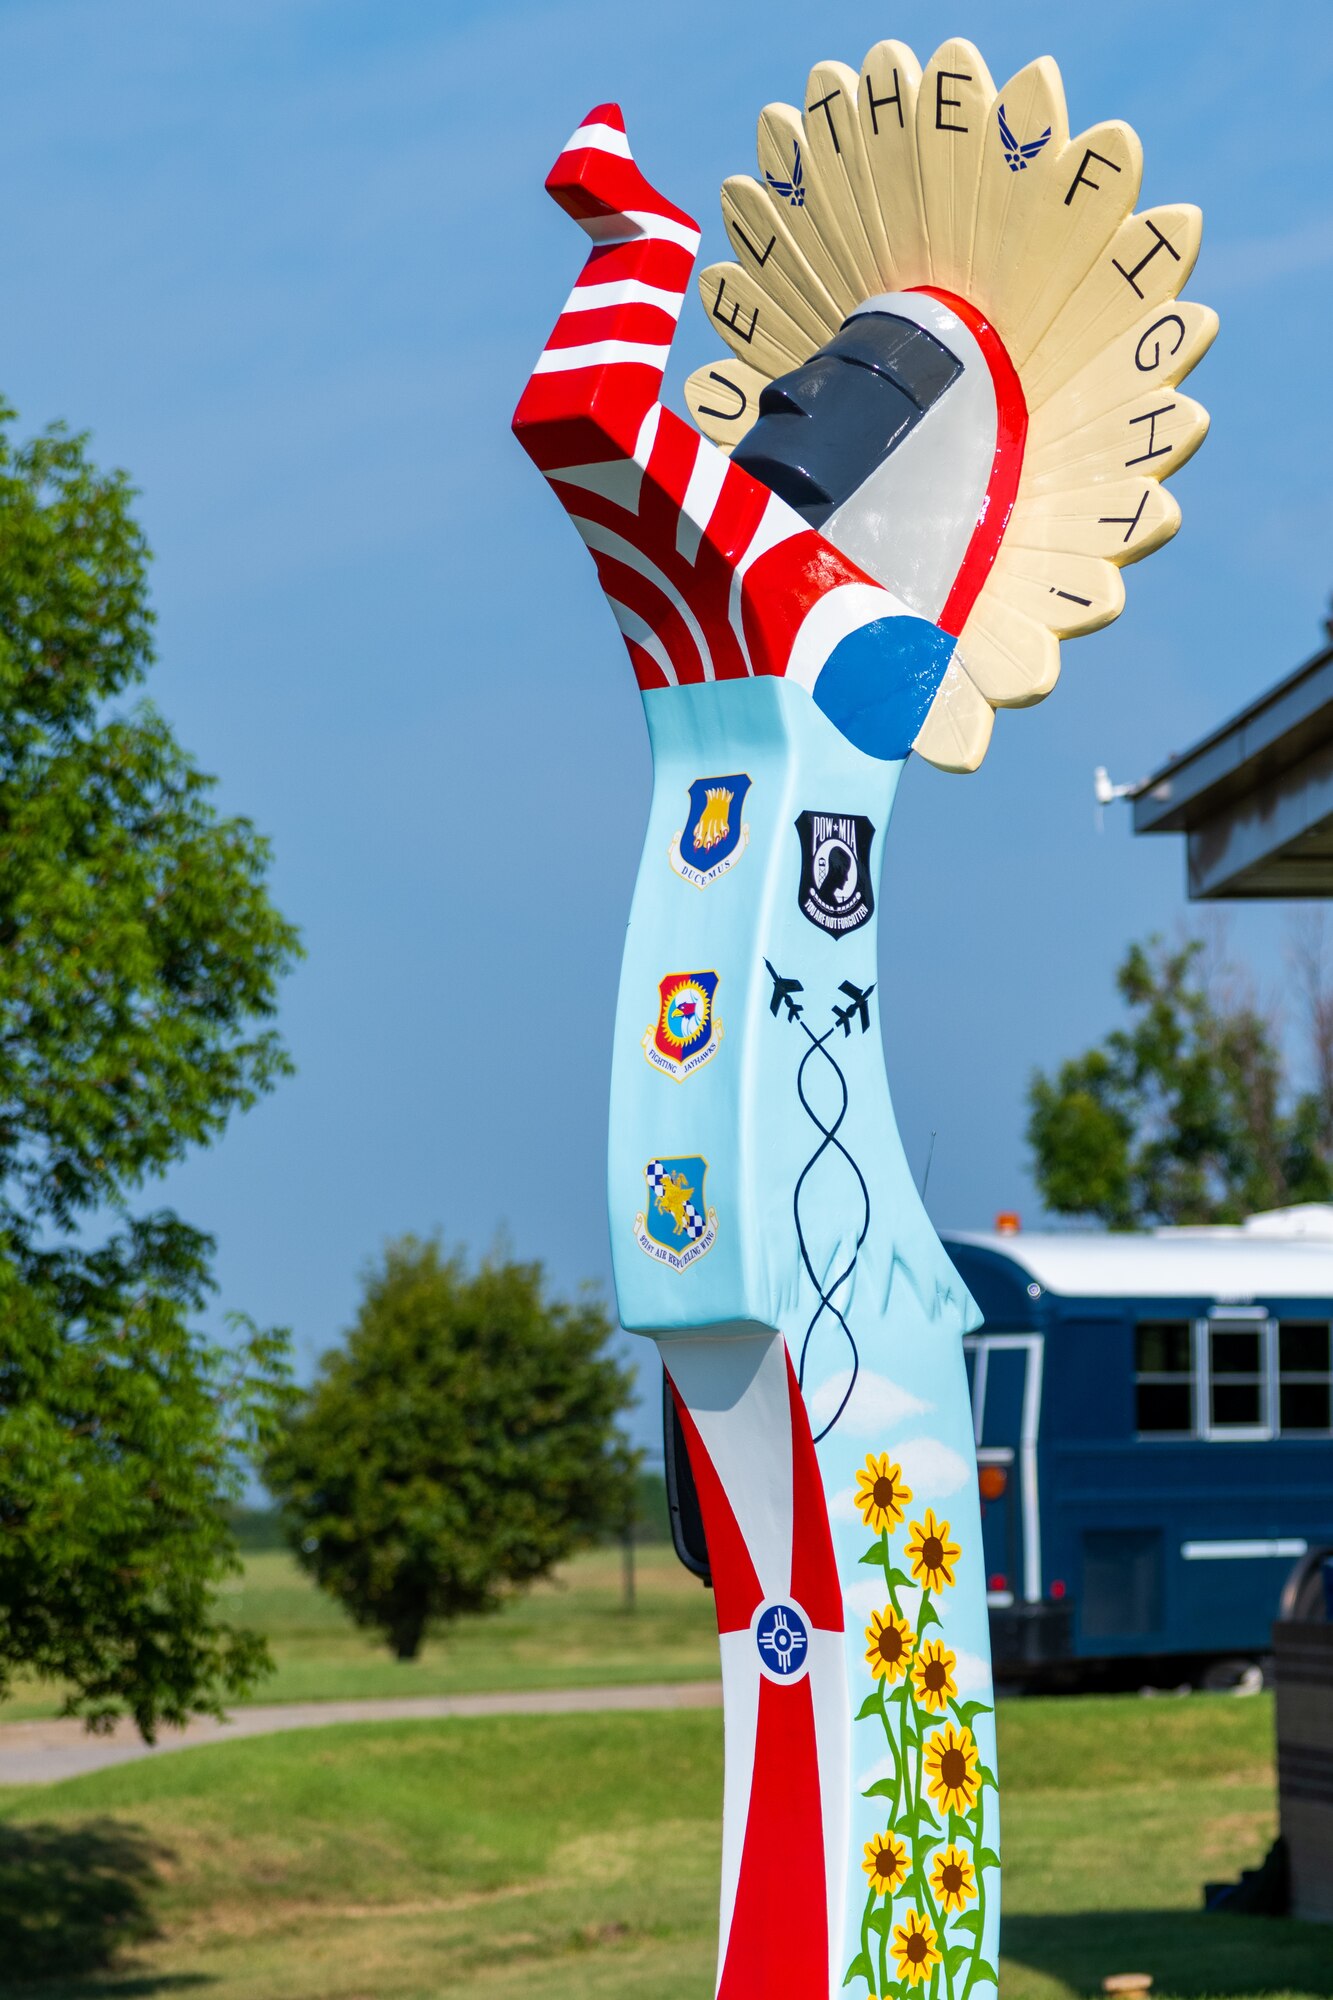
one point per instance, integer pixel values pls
(676, 1228)
(687, 1029)
(836, 891)
(714, 836)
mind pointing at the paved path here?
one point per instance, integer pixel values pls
(40, 1753)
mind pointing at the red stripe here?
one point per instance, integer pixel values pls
(634, 321)
(814, 1571)
(630, 587)
(646, 670)
(779, 591)
(584, 416)
(735, 1586)
(670, 462)
(605, 114)
(1011, 429)
(778, 1945)
(587, 182)
(649, 258)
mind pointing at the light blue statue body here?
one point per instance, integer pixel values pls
(861, 1293)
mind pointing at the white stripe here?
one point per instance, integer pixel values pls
(641, 632)
(639, 225)
(647, 438)
(833, 1749)
(616, 479)
(663, 229)
(624, 292)
(735, 1388)
(701, 497)
(778, 523)
(740, 1711)
(1226, 1551)
(607, 543)
(841, 611)
(597, 353)
(600, 139)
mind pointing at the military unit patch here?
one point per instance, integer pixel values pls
(676, 1228)
(714, 836)
(836, 891)
(687, 1029)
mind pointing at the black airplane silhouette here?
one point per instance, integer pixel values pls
(783, 990)
(856, 1005)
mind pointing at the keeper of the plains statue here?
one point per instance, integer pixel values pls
(951, 398)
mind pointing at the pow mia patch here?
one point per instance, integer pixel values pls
(836, 891)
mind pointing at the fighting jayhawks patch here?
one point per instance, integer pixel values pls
(714, 836)
(687, 1029)
(836, 891)
(676, 1227)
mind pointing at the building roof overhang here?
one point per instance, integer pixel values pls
(1255, 799)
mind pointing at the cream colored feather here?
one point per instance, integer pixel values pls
(897, 177)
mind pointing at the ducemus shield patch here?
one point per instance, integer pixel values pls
(714, 836)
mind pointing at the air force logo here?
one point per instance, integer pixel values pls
(836, 891)
(713, 838)
(676, 1228)
(687, 1029)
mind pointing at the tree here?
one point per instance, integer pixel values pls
(462, 1442)
(139, 961)
(1187, 1115)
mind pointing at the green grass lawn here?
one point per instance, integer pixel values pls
(571, 1632)
(576, 1858)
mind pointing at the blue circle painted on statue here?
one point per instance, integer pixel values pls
(783, 1639)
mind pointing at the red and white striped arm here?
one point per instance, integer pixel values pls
(600, 372)
(708, 574)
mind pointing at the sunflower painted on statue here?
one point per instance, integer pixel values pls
(885, 1863)
(881, 1493)
(951, 1769)
(932, 1675)
(914, 1948)
(953, 1878)
(931, 1553)
(889, 1643)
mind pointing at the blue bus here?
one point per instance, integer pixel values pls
(1154, 1430)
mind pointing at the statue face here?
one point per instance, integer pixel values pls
(823, 429)
(885, 441)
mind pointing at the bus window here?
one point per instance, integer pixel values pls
(1237, 1361)
(1164, 1377)
(1304, 1376)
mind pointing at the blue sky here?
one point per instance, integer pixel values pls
(291, 263)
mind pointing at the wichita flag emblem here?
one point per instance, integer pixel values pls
(687, 1030)
(713, 838)
(676, 1228)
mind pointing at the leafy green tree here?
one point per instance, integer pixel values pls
(461, 1443)
(1186, 1115)
(139, 961)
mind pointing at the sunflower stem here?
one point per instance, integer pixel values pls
(981, 1894)
(884, 1558)
(866, 1947)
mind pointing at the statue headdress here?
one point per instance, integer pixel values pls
(898, 179)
